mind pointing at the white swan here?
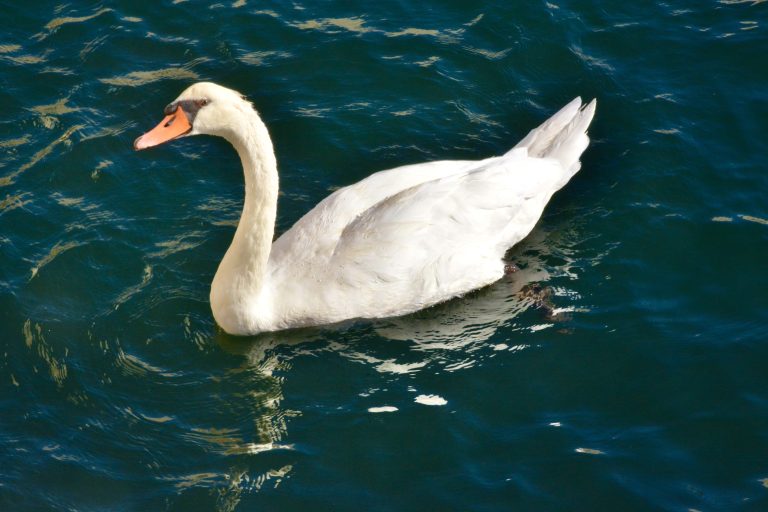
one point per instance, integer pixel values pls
(398, 241)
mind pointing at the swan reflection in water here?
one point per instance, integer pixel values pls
(446, 333)
(452, 336)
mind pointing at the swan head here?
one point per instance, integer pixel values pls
(203, 108)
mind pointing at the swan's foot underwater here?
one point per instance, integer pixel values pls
(541, 296)
(510, 268)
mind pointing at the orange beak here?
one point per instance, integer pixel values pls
(171, 127)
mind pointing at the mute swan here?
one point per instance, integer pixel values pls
(398, 241)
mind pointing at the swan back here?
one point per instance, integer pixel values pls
(404, 239)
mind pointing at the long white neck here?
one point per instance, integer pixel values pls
(237, 286)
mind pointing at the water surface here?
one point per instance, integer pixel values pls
(639, 385)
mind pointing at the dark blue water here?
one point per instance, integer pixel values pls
(623, 368)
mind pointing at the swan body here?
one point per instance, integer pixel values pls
(398, 241)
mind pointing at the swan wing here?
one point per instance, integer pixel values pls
(439, 238)
(407, 238)
(317, 233)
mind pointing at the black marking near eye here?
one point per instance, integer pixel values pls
(190, 108)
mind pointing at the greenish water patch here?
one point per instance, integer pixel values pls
(622, 368)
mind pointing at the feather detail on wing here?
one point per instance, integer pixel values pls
(319, 230)
(406, 238)
(446, 236)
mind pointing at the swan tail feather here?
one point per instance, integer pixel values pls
(563, 136)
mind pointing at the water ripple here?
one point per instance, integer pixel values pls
(57, 250)
(630, 339)
(11, 202)
(138, 78)
(358, 25)
(53, 25)
(35, 340)
(64, 138)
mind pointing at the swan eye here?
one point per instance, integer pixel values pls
(202, 102)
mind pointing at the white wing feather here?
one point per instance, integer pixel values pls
(410, 237)
(444, 237)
